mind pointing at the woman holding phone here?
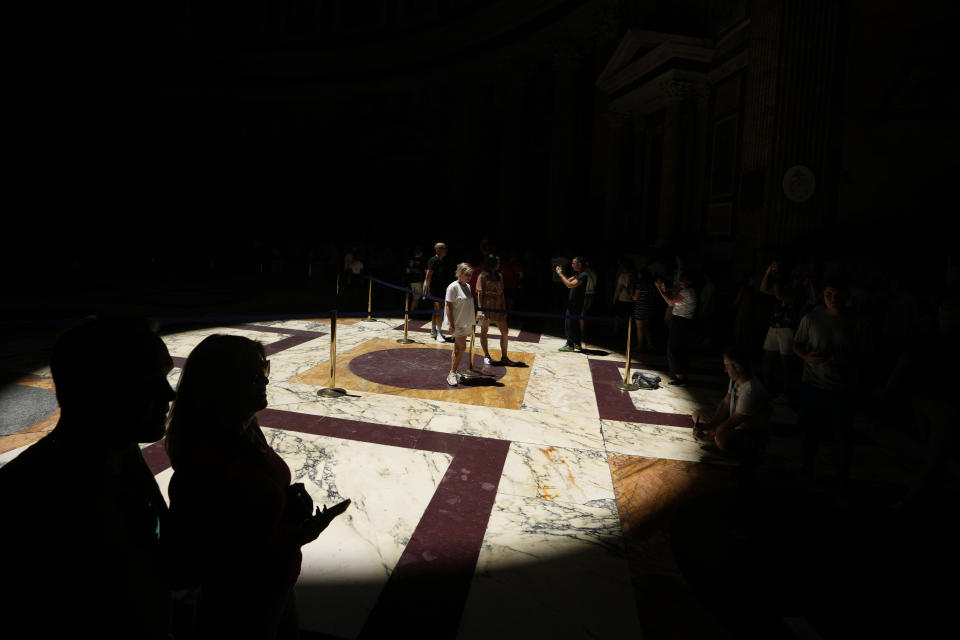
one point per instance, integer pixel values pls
(236, 524)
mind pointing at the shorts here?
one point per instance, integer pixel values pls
(416, 287)
(463, 332)
(745, 440)
(779, 339)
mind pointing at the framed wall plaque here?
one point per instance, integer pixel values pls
(799, 183)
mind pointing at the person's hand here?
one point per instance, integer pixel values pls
(450, 330)
(480, 316)
(814, 357)
(559, 270)
(314, 525)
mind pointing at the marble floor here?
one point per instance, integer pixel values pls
(534, 501)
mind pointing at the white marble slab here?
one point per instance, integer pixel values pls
(304, 325)
(7, 456)
(580, 476)
(546, 428)
(703, 393)
(559, 384)
(657, 441)
(296, 360)
(390, 488)
(163, 481)
(181, 344)
(550, 570)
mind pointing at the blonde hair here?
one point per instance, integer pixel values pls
(463, 268)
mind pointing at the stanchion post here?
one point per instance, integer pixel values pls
(470, 372)
(626, 385)
(370, 304)
(406, 319)
(332, 391)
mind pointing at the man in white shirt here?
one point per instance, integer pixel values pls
(738, 426)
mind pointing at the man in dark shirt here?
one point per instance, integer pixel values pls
(81, 504)
(416, 270)
(435, 283)
(577, 286)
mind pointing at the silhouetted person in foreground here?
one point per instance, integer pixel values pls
(81, 511)
(236, 522)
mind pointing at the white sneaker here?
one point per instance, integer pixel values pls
(441, 339)
(452, 379)
(489, 361)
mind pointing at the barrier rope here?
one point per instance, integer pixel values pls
(246, 319)
(512, 312)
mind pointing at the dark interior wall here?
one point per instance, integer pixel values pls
(135, 129)
(900, 124)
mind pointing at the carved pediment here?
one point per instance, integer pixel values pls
(641, 53)
(650, 69)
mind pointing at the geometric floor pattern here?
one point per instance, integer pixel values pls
(508, 506)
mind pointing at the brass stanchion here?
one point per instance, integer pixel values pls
(406, 320)
(470, 372)
(332, 391)
(370, 304)
(626, 385)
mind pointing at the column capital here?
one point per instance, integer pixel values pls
(616, 119)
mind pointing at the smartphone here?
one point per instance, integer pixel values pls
(335, 510)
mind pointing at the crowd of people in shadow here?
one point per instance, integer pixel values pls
(835, 340)
(93, 546)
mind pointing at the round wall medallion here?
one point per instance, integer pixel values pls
(799, 183)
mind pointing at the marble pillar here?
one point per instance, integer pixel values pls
(567, 66)
(617, 127)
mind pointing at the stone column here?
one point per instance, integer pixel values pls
(701, 151)
(633, 222)
(567, 65)
(512, 175)
(670, 174)
(616, 127)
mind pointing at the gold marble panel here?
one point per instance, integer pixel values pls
(509, 396)
(30, 380)
(31, 434)
(648, 492)
(647, 489)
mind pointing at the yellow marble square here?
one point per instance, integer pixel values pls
(508, 396)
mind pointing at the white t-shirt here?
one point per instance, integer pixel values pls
(751, 400)
(687, 307)
(464, 314)
(591, 283)
(623, 281)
